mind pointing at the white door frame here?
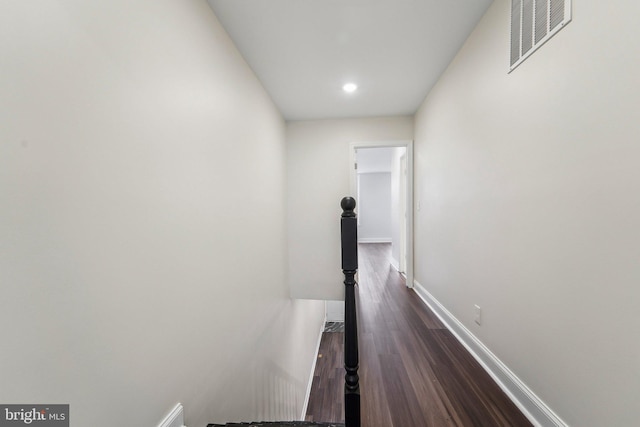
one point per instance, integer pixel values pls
(408, 144)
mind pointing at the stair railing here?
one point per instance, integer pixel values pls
(349, 237)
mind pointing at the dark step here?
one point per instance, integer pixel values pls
(277, 424)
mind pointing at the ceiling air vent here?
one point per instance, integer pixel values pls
(533, 22)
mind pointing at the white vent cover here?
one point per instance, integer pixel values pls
(533, 22)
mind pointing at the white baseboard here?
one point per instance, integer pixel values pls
(531, 405)
(374, 239)
(313, 371)
(175, 417)
(395, 264)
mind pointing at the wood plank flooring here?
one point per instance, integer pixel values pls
(413, 371)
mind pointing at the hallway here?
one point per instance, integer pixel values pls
(413, 371)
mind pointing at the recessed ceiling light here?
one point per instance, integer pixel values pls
(350, 87)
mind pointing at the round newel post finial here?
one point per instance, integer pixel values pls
(348, 204)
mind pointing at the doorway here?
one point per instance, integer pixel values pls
(383, 171)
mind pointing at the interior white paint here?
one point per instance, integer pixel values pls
(379, 198)
(374, 211)
(374, 159)
(374, 194)
(140, 264)
(398, 208)
(304, 51)
(125, 216)
(319, 164)
(407, 145)
(530, 206)
(312, 371)
(335, 311)
(175, 418)
(526, 400)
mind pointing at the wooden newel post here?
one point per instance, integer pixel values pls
(349, 232)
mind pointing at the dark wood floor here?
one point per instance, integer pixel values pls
(413, 371)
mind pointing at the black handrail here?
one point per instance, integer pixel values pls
(349, 237)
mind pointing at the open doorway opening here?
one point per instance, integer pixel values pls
(381, 181)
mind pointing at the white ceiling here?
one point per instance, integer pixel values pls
(303, 51)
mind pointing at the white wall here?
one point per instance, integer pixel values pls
(335, 311)
(317, 179)
(376, 159)
(396, 210)
(142, 220)
(374, 194)
(374, 212)
(530, 192)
